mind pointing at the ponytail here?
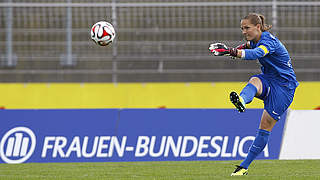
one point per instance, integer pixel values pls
(258, 19)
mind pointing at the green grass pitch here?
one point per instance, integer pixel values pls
(177, 170)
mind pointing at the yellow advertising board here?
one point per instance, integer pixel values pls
(138, 95)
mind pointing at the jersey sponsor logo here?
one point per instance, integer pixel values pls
(17, 145)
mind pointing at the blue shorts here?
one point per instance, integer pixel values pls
(277, 98)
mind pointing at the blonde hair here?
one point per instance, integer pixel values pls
(258, 19)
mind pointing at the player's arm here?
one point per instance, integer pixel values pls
(258, 52)
(220, 49)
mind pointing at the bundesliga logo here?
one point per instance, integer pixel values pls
(17, 145)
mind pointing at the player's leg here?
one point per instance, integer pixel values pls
(267, 122)
(262, 137)
(261, 140)
(252, 89)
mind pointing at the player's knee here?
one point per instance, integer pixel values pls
(267, 122)
(257, 83)
(266, 125)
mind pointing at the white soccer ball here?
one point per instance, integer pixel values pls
(102, 33)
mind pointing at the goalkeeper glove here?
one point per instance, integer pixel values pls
(220, 49)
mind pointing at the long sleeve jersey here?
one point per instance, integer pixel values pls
(274, 58)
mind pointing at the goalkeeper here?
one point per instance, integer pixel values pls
(275, 85)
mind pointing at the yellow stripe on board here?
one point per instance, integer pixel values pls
(137, 95)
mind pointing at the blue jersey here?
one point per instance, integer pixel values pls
(274, 58)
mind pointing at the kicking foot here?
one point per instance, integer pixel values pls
(235, 99)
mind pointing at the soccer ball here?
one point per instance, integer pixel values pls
(102, 33)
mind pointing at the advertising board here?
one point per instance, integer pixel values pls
(113, 135)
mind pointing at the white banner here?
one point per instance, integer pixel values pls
(301, 138)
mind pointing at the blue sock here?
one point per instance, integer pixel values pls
(256, 148)
(248, 93)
